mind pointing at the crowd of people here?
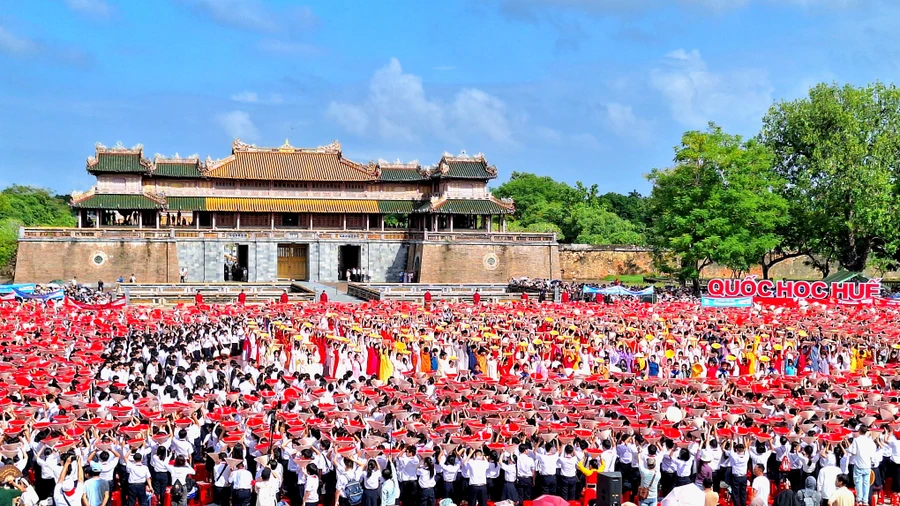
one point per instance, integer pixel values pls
(382, 403)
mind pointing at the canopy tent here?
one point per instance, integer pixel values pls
(617, 290)
(843, 276)
(22, 287)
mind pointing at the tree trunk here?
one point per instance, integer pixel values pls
(695, 284)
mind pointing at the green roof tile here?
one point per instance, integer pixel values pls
(186, 203)
(401, 175)
(466, 170)
(465, 206)
(129, 202)
(121, 163)
(165, 169)
(397, 206)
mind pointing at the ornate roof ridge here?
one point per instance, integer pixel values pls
(463, 157)
(505, 202)
(239, 146)
(118, 149)
(398, 164)
(80, 196)
(158, 158)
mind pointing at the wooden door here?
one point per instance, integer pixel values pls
(292, 261)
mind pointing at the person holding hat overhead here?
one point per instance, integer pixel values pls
(70, 489)
(139, 481)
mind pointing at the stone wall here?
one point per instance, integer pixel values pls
(589, 262)
(90, 261)
(487, 263)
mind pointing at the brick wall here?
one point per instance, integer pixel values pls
(90, 261)
(487, 263)
(588, 262)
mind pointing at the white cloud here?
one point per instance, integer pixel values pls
(482, 112)
(621, 119)
(97, 8)
(350, 117)
(398, 107)
(238, 124)
(13, 45)
(697, 95)
(248, 97)
(253, 15)
(21, 47)
(252, 97)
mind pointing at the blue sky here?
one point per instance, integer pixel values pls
(592, 90)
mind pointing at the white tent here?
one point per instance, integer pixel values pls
(687, 495)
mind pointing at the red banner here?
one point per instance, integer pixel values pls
(116, 304)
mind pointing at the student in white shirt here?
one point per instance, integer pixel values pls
(546, 469)
(371, 484)
(241, 485)
(139, 484)
(509, 491)
(761, 487)
(450, 466)
(221, 481)
(390, 489)
(862, 453)
(525, 471)
(311, 492)
(739, 459)
(568, 469)
(477, 467)
(70, 489)
(427, 477)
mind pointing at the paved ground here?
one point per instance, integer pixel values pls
(337, 292)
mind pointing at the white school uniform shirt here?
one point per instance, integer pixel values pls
(426, 478)
(477, 472)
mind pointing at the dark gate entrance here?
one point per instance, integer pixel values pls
(348, 259)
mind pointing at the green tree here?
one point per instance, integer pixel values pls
(9, 236)
(837, 152)
(576, 213)
(716, 204)
(28, 206)
(35, 207)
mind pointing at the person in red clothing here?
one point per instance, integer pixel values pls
(284, 297)
(198, 299)
(476, 297)
(565, 296)
(323, 298)
(524, 296)
(242, 298)
(427, 298)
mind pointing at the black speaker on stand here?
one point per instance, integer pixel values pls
(609, 489)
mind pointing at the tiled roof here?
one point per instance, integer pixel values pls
(263, 205)
(398, 175)
(186, 168)
(470, 206)
(124, 163)
(288, 163)
(464, 166)
(186, 203)
(125, 202)
(397, 206)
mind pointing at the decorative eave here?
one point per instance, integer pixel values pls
(118, 149)
(506, 203)
(397, 164)
(239, 146)
(443, 167)
(81, 196)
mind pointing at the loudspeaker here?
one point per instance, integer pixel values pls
(609, 489)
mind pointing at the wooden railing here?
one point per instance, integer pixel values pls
(40, 233)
